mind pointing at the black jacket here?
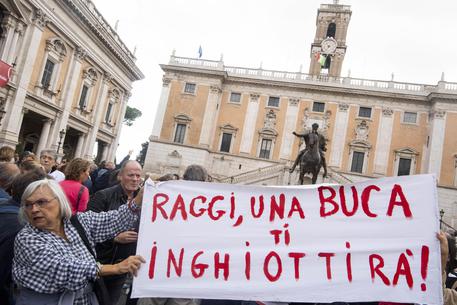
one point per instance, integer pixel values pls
(110, 252)
(9, 227)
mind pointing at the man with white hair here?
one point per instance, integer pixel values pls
(48, 159)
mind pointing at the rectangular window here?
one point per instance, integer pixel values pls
(82, 99)
(318, 107)
(357, 162)
(190, 88)
(265, 149)
(410, 117)
(180, 133)
(108, 113)
(235, 97)
(365, 112)
(273, 101)
(404, 167)
(47, 73)
(226, 141)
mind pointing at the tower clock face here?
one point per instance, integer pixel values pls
(328, 45)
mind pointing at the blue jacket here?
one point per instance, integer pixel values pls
(9, 227)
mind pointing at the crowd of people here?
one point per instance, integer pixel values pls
(68, 232)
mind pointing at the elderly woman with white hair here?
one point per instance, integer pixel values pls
(52, 264)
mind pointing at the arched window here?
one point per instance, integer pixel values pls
(55, 53)
(89, 80)
(331, 30)
(114, 97)
(327, 63)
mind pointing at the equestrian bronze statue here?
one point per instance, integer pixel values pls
(312, 158)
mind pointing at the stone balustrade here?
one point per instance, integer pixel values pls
(299, 77)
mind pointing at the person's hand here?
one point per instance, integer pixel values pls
(443, 244)
(130, 265)
(126, 237)
(138, 200)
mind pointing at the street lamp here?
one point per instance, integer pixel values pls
(61, 135)
(441, 218)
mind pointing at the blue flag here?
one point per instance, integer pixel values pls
(200, 52)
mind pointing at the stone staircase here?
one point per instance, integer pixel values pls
(278, 174)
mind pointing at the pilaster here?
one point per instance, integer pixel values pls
(113, 148)
(250, 119)
(209, 117)
(438, 126)
(339, 135)
(99, 113)
(289, 127)
(13, 121)
(383, 141)
(161, 108)
(70, 91)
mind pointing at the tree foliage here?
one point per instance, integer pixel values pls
(142, 155)
(131, 114)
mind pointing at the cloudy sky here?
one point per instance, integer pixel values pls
(415, 40)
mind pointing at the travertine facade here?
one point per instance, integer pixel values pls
(71, 72)
(238, 122)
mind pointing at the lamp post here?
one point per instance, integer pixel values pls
(61, 135)
(441, 218)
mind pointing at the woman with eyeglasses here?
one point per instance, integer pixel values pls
(52, 264)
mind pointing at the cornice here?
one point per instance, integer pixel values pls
(104, 33)
(193, 70)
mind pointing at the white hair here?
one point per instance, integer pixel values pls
(65, 209)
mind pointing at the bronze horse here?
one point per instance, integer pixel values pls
(311, 161)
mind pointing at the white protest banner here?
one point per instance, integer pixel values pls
(370, 241)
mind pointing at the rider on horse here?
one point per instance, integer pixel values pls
(322, 148)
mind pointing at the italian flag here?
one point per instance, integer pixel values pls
(320, 58)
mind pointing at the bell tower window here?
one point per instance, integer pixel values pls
(328, 61)
(331, 30)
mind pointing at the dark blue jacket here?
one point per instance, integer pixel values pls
(9, 227)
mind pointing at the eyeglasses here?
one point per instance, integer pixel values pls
(40, 203)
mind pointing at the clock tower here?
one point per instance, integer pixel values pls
(329, 46)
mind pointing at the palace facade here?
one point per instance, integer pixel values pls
(238, 122)
(70, 81)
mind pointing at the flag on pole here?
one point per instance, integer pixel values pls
(200, 52)
(320, 58)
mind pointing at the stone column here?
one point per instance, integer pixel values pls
(438, 126)
(339, 135)
(98, 114)
(289, 127)
(8, 26)
(209, 117)
(44, 136)
(13, 121)
(104, 152)
(249, 124)
(161, 109)
(383, 141)
(69, 92)
(119, 122)
(79, 146)
(18, 32)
